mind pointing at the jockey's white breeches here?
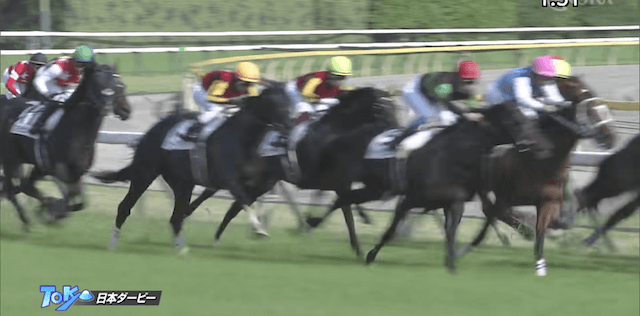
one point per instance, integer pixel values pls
(425, 110)
(209, 109)
(21, 87)
(297, 99)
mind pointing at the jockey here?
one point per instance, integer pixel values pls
(319, 88)
(430, 97)
(17, 77)
(220, 90)
(522, 86)
(59, 78)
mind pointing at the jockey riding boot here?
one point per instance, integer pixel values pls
(39, 124)
(192, 133)
(527, 135)
(542, 147)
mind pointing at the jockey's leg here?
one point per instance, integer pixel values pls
(524, 128)
(420, 106)
(300, 106)
(213, 110)
(48, 110)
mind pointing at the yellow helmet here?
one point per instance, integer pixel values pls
(340, 66)
(563, 69)
(248, 71)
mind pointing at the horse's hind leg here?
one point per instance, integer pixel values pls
(136, 189)
(235, 208)
(197, 202)
(618, 216)
(401, 211)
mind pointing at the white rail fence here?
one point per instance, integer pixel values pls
(295, 47)
(129, 138)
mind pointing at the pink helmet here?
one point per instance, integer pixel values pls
(544, 66)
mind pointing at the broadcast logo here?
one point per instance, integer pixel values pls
(73, 296)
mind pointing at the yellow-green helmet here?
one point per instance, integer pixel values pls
(563, 69)
(340, 66)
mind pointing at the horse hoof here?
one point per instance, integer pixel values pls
(541, 273)
(261, 233)
(183, 251)
(589, 241)
(371, 256)
(314, 222)
(504, 239)
(216, 242)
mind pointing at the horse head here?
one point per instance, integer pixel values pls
(271, 107)
(121, 107)
(363, 106)
(588, 111)
(99, 88)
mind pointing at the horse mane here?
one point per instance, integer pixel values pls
(353, 103)
(86, 78)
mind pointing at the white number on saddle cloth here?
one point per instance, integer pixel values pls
(27, 118)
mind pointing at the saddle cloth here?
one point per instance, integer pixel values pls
(30, 115)
(379, 146)
(173, 141)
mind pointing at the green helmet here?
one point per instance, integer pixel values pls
(84, 54)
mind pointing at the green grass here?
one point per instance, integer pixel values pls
(303, 274)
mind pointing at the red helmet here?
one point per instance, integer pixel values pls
(468, 70)
(556, 57)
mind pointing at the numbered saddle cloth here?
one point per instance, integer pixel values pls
(30, 115)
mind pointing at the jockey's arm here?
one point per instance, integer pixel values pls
(309, 89)
(552, 94)
(216, 91)
(524, 95)
(11, 83)
(45, 75)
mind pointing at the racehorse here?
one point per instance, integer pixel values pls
(446, 172)
(618, 173)
(231, 160)
(65, 151)
(517, 180)
(325, 166)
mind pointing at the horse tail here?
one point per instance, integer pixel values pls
(113, 176)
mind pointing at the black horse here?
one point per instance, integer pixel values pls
(325, 161)
(446, 172)
(618, 173)
(66, 152)
(518, 180)
(232, 160)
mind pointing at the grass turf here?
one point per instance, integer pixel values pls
(303, 274)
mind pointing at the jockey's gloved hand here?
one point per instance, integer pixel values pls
(550, 108)
(60, 97)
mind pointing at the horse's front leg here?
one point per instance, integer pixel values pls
(10, 190)
(27, 186)
(546, 214)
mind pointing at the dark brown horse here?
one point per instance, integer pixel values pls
(518, 180)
